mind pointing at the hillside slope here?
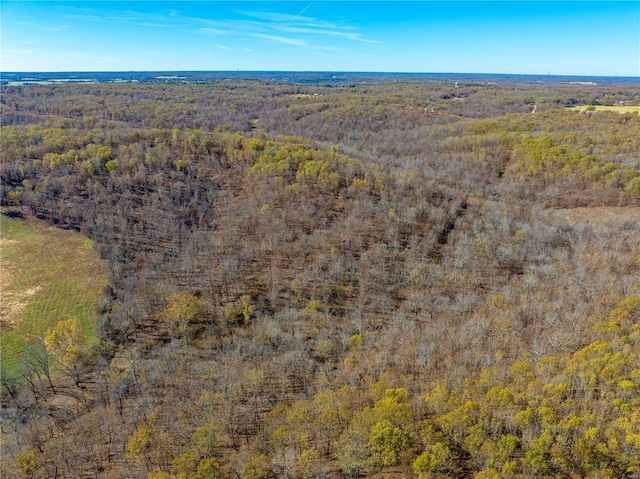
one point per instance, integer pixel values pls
(396, 287)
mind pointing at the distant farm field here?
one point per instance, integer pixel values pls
(48, 274)
(618, 108)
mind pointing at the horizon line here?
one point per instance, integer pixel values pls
(354, 72)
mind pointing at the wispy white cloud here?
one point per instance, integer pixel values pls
(49, 28)
(154, 25)
(278, 20)
(272, 16)
(216, 31)
(223, 47)
(295, 29)
(108, 18)
(124, 17)
(271, 25)
(279, 39)
(314, 23)
(332, 33)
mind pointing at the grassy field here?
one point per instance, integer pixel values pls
(618, 108)
(47, 275)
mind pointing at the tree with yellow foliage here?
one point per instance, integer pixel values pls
(182, 309)
(26, 463)
(377, 436)
(65, 341)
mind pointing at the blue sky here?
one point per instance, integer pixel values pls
(539, 37)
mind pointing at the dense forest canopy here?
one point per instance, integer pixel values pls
(333, 279)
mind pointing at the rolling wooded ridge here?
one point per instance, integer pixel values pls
(380, 279)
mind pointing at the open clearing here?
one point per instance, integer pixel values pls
(617, 108)
(47, 274)
(599, 214)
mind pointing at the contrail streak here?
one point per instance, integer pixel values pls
(299, 13)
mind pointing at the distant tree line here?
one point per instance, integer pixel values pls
(311, 281)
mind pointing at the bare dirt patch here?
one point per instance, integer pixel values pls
(13, 303)
(9, 305)
(5, 241)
